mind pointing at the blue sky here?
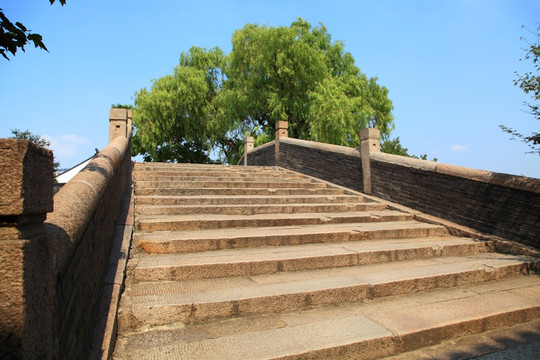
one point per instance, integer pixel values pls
(449, 66)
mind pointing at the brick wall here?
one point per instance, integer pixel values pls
(496, 204)
(82, 225)
(262, 155)
(338, 164)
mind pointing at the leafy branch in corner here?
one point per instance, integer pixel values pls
(17, 36)
(530, 84)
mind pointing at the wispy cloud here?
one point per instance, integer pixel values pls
(66, 147)
(459, 148)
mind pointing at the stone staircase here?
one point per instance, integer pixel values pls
(263, 263)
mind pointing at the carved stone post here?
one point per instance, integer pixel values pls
(119, 123)
(369, 144)
(282, 131)
(26, 252)
(248, 146)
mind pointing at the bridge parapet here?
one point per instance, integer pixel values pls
(53, 265)
(502, 205)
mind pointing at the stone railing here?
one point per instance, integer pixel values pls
(53, 265)
(501, 205)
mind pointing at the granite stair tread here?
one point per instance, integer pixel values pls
(230, 238)
(232, 262)
(200, 300)
(363, 330)
(272, 259)
(252, 209)
(197, 191)
(253, 199)
(216, 221)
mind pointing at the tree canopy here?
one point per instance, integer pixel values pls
(17, 36)
(530, 84)
(296, 74)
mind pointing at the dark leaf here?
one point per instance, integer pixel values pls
(37, 40)
(21, 26)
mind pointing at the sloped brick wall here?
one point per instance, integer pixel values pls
(496, 204)
(338, 164)
(262, 155)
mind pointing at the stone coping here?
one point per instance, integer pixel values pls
(263, 146)
(506, 180)
(345, 150)
(76, 202)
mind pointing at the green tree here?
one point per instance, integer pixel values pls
(530, 84)
(121, 106)
(36, 139)
(172, 120)
(297, 74)
(17, 36)
(393, 146)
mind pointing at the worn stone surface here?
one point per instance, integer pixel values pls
(221, 269)
(365, 330)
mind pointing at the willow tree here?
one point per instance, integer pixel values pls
(296, 74)
(172, 120)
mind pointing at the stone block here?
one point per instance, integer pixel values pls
(282, 129)
(27, 178)
(26, 298)
(118, 123)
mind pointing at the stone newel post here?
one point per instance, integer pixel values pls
(248, 146)
(119, 123)
(369, 144)
(281, 132)
(26, 252)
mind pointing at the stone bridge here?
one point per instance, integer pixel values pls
(310, 250)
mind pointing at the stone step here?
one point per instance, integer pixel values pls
(193, 191)
(235, 238)
(217, 221)
(229, 184)
(234, 262)
(358, 330)
(217, 176)
(256, 209)
(267, 260)
(139, 165)
(245, 200)
(196, 301)
(212, 167)
(216, 171)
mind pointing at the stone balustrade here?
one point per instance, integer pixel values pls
(54, 260)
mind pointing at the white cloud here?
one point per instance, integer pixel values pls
(459, 148)
(66, 148)
(73, 139)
